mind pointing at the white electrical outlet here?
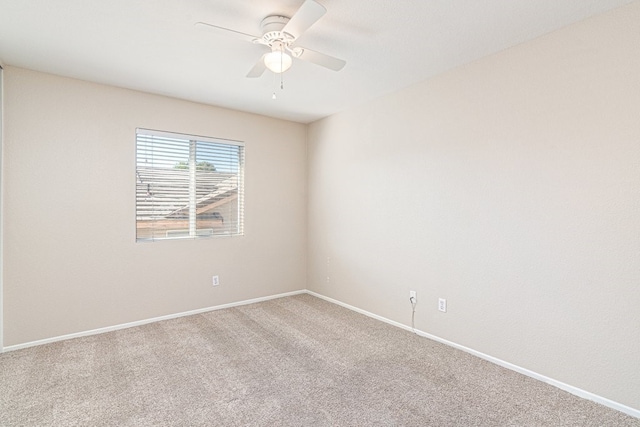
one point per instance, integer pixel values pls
(216, 280)
(413, 298)
(442, 304)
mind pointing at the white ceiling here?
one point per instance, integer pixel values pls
(153, 45)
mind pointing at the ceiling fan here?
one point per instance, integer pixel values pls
(279, 34)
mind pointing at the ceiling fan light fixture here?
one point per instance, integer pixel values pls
(278, 61)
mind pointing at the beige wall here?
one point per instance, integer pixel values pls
(71, 262)
(519, 182)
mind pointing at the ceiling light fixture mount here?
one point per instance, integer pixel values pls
(280, 58)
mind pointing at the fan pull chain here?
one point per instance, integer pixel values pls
(281, 67)
(274, 92)
(273, 96)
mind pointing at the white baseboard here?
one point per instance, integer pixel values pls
(559, 384)
(566, 387)
(145, 321)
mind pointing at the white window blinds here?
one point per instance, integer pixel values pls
(187, 186)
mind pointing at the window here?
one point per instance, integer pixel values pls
(187, 186)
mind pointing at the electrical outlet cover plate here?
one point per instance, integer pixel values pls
(216, 280)
(442, 304)
(412, 294)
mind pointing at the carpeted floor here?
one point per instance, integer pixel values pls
(295, 361)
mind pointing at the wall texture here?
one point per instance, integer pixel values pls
(510, 187)
(71, 261)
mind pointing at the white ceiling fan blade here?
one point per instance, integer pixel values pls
(318, 58)
(257, 69)
(226, 31)
(305, 17)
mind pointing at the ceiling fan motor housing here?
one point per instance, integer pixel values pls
(272, 29)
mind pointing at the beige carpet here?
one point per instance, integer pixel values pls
(296, 361)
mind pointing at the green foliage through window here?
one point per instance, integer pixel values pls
(200, 166)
